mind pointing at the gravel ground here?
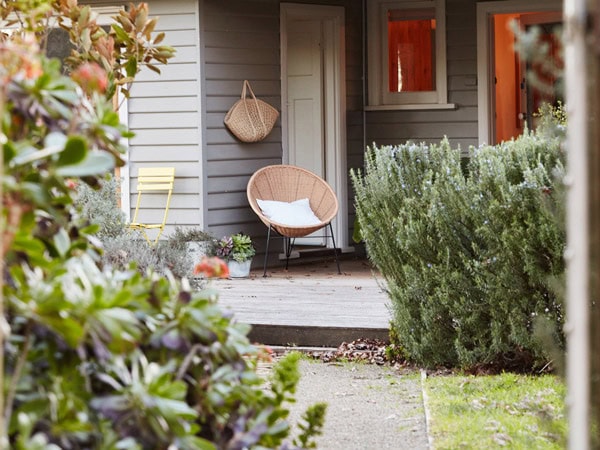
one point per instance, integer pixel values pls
(370, 407)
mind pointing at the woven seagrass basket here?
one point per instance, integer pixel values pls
(250, 119)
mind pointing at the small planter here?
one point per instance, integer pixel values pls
(239, 269)
(196, 250)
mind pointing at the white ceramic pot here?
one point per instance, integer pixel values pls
(196, 250)
(239, 269)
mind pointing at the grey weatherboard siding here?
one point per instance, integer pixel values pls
(240, 40)
(222, 42)
(164, 112)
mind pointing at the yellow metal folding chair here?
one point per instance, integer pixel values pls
(153, 180)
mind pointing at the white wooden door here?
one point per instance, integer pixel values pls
(306, 142)
(313, 100)
(305, 96)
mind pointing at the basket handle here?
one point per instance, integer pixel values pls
(260, 116)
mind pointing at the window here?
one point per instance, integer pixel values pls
(407, 54)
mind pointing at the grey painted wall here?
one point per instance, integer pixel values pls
(164, 112)
(240, 40)
(178, 117)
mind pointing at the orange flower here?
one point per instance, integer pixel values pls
(212, 267)
(19, 57)
(265, 353)
(91, 77)
(70, 183)
(33, 69)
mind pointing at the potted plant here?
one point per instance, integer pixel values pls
(238, 251)
(194, 241)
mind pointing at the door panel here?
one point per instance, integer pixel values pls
(313, 106)
(305, 96)
(305, 102)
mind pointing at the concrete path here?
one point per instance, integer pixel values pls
(369, 407)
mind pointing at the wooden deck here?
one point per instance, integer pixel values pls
(310, 305)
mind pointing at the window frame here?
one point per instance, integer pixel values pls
(378, 70)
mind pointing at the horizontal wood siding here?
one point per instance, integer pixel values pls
(240, 41)
(460, 125)
(164, 114)
(355, 135)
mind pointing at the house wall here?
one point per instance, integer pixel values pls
(222, 42)
(459, 125)
(240, 40)
(164, 112)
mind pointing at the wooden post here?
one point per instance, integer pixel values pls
(577, 254)
(593, 188)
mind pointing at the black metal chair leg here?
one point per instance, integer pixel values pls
(337, 261)
(289, 245)
(267, 252)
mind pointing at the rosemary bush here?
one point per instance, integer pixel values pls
(468, 253)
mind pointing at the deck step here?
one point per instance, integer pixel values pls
(310, 305)
(312, 336)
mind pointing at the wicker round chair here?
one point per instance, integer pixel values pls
(286, 183)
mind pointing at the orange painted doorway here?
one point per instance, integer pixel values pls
(516, 99)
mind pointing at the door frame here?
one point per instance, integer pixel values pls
(334, 100)
(485, 55)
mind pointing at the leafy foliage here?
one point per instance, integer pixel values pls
(99, 206)
(311, 425)
(97, 356)
(183, 235)
(130, 45)
(121, 245)
(156, 364)
(237, 247)
(468, 255)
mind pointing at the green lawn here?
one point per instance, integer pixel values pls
(500, 411)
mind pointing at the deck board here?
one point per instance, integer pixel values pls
(309, 296)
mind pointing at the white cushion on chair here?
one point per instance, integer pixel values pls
(296, 214)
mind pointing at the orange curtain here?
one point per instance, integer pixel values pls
(410, 61)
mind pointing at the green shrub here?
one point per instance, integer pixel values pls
(237, 247)
(118, 360)
(94, 357)
(468, 253)
(181, 236)
(99, 205)
(120, 245)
